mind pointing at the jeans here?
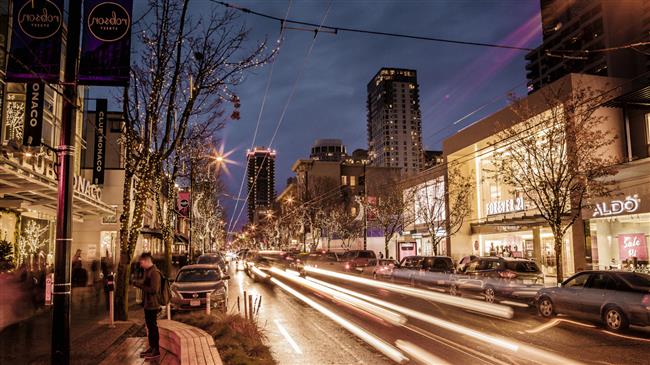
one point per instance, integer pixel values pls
(150, 317)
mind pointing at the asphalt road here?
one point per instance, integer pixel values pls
(432, 333)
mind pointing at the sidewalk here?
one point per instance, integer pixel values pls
(28, 341)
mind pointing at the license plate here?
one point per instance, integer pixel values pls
(529, 281)
(195, 303)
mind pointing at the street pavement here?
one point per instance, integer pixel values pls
(433, 332)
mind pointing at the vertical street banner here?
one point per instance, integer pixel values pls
(184, 203)
(36, 41)
(33, 126)
(99, 159)
(4, 44)
(106, 44)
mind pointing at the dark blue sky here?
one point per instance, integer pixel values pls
(330, 99)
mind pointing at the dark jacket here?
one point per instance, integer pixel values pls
(150, 285)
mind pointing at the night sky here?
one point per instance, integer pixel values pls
(330, 97)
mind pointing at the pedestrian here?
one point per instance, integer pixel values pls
(150, 286)
(381, 255)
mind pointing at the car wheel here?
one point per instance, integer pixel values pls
(453, 291)
(614, 319)
(489, 294)
(545, 307)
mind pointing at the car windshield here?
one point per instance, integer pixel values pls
(522, 266)
(208, 260)
(636, 279)
(193, 275)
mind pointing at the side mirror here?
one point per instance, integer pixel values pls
(225, 277)
(559, 285)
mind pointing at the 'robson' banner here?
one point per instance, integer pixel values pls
(36, 41)
(33, 127)
(106, 44)
(99, 160)
(184, 203)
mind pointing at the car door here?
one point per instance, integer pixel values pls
(593, 296)
(567, 296)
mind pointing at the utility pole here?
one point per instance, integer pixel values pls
(62, 287)
(365, 208)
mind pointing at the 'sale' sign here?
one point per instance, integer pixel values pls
(33, 127)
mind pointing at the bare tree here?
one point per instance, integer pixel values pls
(185, 69)
(349, 229)
(432, 198)
(555, 157)
(390, 210)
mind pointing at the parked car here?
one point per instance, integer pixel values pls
(616, 298)
(357, 260)
(195, 283)
(500, 278)
(431, 271)
(462, 264)
(384, 268)
(213, 259)
(322, 259)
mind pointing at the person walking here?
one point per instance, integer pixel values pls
(150, 286)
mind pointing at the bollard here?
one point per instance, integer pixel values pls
(111, 311)
(169, 311)
(250, 307)
(207, 305)
(245, 306)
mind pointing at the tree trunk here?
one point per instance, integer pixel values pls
(557, 235)
(386, 243)
(122, 287)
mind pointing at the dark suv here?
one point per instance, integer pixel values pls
(356, 260)
(500, 277)
(436, 272)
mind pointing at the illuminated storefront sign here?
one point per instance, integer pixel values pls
(628, 205)
(633, 245)
(505, 206)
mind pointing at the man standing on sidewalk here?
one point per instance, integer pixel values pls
(150, 285)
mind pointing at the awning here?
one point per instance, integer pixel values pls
(30, 183)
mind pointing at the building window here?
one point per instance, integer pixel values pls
(344, 180)
(353, 181)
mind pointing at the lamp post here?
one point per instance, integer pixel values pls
(60, 352)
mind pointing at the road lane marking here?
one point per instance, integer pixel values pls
(627, 337)
(555, 322)
(288, 337)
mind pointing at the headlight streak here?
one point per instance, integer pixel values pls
(426, 318)
(419, 354)
(259, 272)
(380, 312)
(521, 349)
(374, 341)
(470, 304)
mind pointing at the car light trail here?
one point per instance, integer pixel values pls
(372, 340)
(426, 317)
(497, 310)
(259, 272)
(513, 346)
(380, 312)
(287, 337)
(419, 354)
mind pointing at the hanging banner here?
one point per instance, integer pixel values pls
(633, 245)
(99, 159)
(184, 203)
(36, 41)
(106, 44)
(4, 35)
(33, 126)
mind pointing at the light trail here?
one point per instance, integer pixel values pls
(497, 310)
(385, 348)
(380, 312)
(259, 272)
(521, 349)
(287, 337)
(419, 354)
